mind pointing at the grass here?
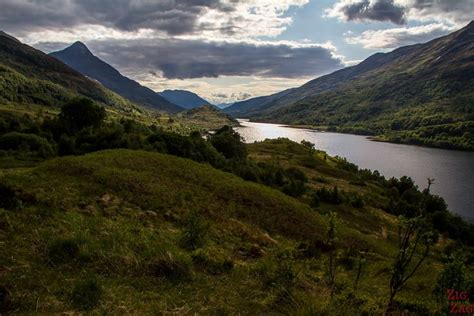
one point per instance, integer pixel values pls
(109, 226)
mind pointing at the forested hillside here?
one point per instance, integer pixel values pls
(420, 94)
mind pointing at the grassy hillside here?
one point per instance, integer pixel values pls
(116, 212)
(142, 233)
(420, 94)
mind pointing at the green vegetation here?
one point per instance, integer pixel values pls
(206, 117)
(420, 94)
(86, 294)
(124, 217)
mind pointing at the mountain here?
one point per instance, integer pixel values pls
(207, 117)
(245, 108)
(29, 76)
(79, 57)
(420, 94)
(183, 98)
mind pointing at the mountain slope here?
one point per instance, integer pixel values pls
(246, 108)
(183, 98)
(30, 76)
(81, 59)
(418, 94)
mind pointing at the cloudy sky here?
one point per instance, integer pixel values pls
(229, 50)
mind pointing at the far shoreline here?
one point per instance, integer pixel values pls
(374, 138)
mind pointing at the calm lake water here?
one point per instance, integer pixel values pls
(453, 171)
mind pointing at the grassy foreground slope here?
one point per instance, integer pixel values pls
(147, 233)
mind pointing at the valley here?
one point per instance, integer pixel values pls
(419, 94)
(119, 199)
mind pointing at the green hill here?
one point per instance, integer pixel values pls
(146, 233)
(206, 117)
(420, 94)
(28, 76)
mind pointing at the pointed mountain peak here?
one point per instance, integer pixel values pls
(79, 47)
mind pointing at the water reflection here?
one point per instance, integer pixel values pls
(453, 170)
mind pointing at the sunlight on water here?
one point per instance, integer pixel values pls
(453, 170)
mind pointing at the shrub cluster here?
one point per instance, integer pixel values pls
(86, 294)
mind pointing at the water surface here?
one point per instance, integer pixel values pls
(452, 170)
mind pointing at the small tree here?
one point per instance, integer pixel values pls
(81, 113)
(415, 238)
(229, 143)
(361, 263)
(309, 145)
(194, 232)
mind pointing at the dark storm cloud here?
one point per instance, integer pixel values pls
(445, 5)
(172, 16)
(181, 59)
(458, 10)
(381, 10)
(398, 13)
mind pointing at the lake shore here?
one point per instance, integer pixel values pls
(394, 139)
(452, 169)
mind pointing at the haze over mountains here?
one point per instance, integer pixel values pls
(417, 94)
(79, 57)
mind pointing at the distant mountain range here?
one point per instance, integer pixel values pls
(80, 58)
(420, 94)
(29, 76)
(184, 99)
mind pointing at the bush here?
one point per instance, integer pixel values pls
(229, 143)
(296, 175)
(452, 276)
(357, 201)
(8, 198)
(333, 197)
(66, 145)
(81, 113)
(171, 267)
(211, 264)
(194, 231)
(63, 251)
(26, 142)
(294, 188)
(194, 148)
(86, 294)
